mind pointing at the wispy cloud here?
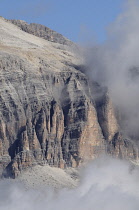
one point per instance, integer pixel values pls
(106, 184)
(115, 64)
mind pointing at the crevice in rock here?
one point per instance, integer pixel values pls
(15, 147)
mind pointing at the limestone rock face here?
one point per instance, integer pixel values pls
(48, 113)
(42, 31)
(116, 143)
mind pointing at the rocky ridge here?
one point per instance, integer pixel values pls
(48, 110)
(42, 31)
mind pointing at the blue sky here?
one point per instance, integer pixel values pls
(79, 20)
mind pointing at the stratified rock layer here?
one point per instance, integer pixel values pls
(47, 111)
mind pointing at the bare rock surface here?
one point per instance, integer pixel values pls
(41, 31)
(48, 113)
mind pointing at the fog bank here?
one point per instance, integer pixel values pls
(105, 184)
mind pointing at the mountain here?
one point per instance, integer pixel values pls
(42, 31)
(48, 110)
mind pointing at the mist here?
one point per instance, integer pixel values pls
(115, 64)
(105, 184)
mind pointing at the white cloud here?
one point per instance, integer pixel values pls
(115, 64)
(106, 184)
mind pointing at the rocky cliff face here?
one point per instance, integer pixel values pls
(42, 31)
(48, 113)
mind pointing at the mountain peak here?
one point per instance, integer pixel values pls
(42, 32)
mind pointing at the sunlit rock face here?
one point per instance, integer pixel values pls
(48, 113)
(42, 31)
